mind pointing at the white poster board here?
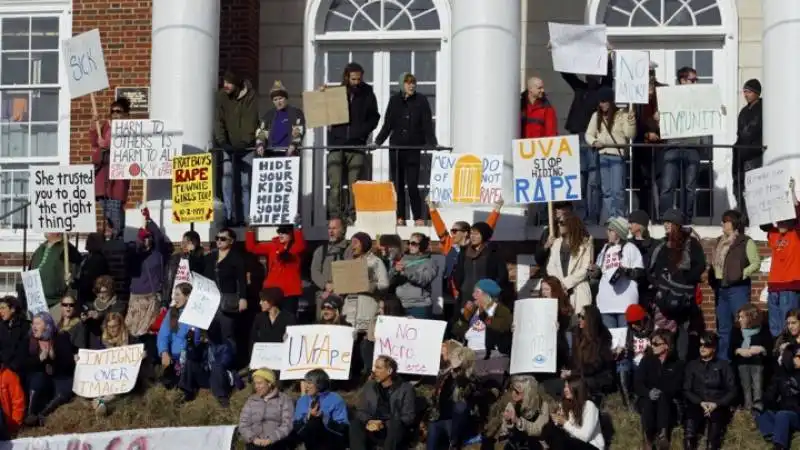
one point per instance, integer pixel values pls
(466, 178)
(534, 342)
(579, 48)
(34, 291)
(274, 191)
(83, 60)
(267, 355)
(143, 149)
(631, 76)
(767, 196)
(410, 342)
(326, 347)
(619, 337)
(113, 371)
(689, 110)
(62, 199)
(547, 169)
(203, 303)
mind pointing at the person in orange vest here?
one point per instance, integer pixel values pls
(12, 401)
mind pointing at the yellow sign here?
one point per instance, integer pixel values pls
(556, 147)
(192, 188)
(467, 176)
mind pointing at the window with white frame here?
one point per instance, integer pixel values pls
(661, 13)
(29, 105)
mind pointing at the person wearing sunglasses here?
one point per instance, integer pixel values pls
(226, 266)
(111, 195)
(413, 275)
(526, 415)
(710, 391)
(781, 417)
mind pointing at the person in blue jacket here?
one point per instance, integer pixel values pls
(171, 340)
(207, 365)
(320, 416)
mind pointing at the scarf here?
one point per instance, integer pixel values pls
(747, 334)
(71, 322)
(721, 252)
(101, 305)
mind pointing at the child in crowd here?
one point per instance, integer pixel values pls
(751, 345)
(640, 327)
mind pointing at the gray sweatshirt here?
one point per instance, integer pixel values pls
(413, 284)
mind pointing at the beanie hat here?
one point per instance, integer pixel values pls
(332, 302)
(605, 94)
(753, 85)
(232, 78)
(489, 287)
(635, 313)
(484, 230)
(673, 216)
(364, 239)
(266, 375)
(619, 225)
(406, 76)
(278, 90)
(639, 217)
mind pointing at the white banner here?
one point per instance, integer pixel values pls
(62, 198)
(579, 48)
(533, 345)
(84, 62)
(203, 303)
(267, 355)
(547, 169)
(631, 76)
(172, 438)
(689, 110)
(34, 291)
(466, 178)
(274, 190)
(409, 342)
(327, 347)
(767, 196)
(143, 150)
(112, 371)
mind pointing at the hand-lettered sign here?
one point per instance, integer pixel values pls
(631, 76)
(62, 198)
(113, 371)
(466, 178)
(689, 110)
(547, 169)
(192, 191)
(274, 191)
(327, 347)
(84, 63)
(410, 342)
(143, 150)
(533, 344)
(203, 303)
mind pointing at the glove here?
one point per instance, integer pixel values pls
(655, 394)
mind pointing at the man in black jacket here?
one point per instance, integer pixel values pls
(658, 381)
(749, 134)
(348, 163)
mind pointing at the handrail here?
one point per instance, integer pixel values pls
(14, 211)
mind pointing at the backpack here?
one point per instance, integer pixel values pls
(674, 299)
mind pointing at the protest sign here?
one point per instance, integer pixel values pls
(533, 344)
(219, 437)
(86, 67)
(350, 276)
(34, 291)
(466, 178)
(579, 48)
(274, 191)
(410, 341)
(63, 199)
(183, 274)
(631, 76)
(376, 207)
(767, 196)
(619, 337)
(326, 347)
(192, 190)
(143, 150)
(689, 110)
(325, 108)
(267, 355)
(547, 169)
(203, 303)
(112, 371)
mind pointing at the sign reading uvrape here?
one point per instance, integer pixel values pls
(689, 110)
(533, 344)
(143, 150)
(203, 303)
(466, 178)
(112, 371)
(85, 64)
(192, 193)
(408, 341)
(63, 199)
(326, 347)
(547, 169)
(767, 196)
(631, 76)
(274, 191)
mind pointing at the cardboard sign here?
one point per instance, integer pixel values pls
(466, 178)
(350, 276)
(274, 191)
(326, 347)
(325, 108)
(533, 344)
(113, 371)
(143, 150)
(34, 291)
(267, 355)
(192, 188)
(376, 207)
(409, 342)
(579, 48)
(62, 199)
(631, 76)
(689, 110)
(84, 62)
(767, 196)
(547, 169)
(203, 303)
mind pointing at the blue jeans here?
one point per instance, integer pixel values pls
(779, 425)
(114, 213)
(778, 305)
(679, 176)
(729, 301)
(240, 161)
(588, 207)
(454, 429)
(420, 312)
(612, 185)
(615, 320)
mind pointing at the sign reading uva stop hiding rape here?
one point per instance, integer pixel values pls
(547, 169)
(192, 193)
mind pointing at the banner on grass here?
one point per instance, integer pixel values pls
(113, 371)
(171, 438)
(466, 178)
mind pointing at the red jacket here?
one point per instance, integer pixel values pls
(538, 119)
(12, 400)
(282, 274)
(103, 186)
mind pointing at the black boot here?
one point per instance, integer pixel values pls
(51, 406)
(30, 417)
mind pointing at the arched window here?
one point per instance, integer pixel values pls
(381, 15)
(660, 13)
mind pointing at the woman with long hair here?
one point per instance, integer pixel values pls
(115, 334)
(40, 370)
(455, 394)
(789, 335)
(570, 258)
(284, 255)
(105, 301)
(551, 287)
(171, 340)
(14, 332)
(575, 424)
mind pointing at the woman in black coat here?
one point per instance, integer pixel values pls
(93, 266)
(14, 332)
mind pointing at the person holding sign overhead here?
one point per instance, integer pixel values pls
(282, 127)
(284, 255)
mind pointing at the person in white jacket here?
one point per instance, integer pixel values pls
(575, 425)
(569, 260)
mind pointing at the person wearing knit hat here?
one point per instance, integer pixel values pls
(753, 85)
(748, 150)
(266, 417)
(619, 226)
(635, 313)
(283, 127)
(674, 216)
(485, 323)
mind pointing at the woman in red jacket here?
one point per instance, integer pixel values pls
(284, 256)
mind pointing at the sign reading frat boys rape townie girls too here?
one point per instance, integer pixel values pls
(143, 150)
(547, 169)
(192, 193)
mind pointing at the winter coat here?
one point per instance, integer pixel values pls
(413, 283)
(680, 281)
(472, 266)
(364, 117)
(236, 118)
(267, 417)
(586, 98)
(283, 271)
(294, 116)
(50, 262)
(14, 342)
(67, 343)
(172, 342)
(537, 119)
(750, 130)
(498, 328)
(402, 402)
(622, 131)
(146, 267)
(104, 186)
(93, 266)
(576, 282)
(408, 121)
(710, 381)
(783, 392)
(322, 258)
(264, 330)
(12, 400)
(330, 430)
(665, 376)
(763, 339)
